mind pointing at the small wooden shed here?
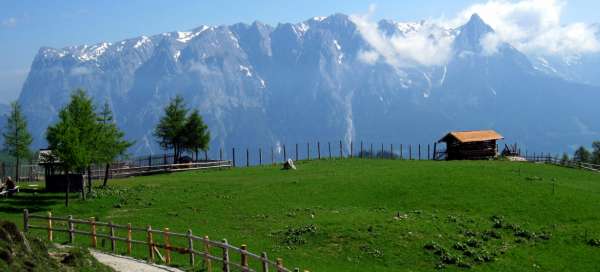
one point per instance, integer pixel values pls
(55, 179)
(471, 145)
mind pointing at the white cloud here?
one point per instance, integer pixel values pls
(532, 26)
(423, 47)
(490, 43)
(368, 57)
(9, 22)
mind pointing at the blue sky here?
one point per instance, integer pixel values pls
(27, 25)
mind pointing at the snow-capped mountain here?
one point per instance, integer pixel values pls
(266, 85)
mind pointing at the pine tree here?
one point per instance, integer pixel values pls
(565, 159)
(595, 152)
(169, 131)
(196, 133)
(582, 155)
(110, 143)
(16, 137)
(72, 138)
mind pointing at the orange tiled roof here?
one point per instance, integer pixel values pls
(474, 136)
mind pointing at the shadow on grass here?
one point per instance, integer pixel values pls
(34, 202)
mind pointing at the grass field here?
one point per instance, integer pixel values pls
(367, 215)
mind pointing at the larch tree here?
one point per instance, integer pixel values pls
(72, 138)
(16, 136)
(196, 133)
(111, 142)
(170, 130)
(582, 155)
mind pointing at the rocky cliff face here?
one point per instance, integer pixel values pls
(262, 85)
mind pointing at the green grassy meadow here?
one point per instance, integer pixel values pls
(364, 215)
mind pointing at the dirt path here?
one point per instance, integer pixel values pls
(126, 264)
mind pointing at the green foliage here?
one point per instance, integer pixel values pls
(170, 129)
(582, 154)
(595, 159)
(196, 133)
(565, 158)
(110, 142)
(16, 136)
(73, 138)
(179, 131)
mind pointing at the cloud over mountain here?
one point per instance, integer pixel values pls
(532, 26)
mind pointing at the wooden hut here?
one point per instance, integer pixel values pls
(471, 145)
(54, 177)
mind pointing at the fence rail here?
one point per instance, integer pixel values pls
(208, 251)
(567, 163)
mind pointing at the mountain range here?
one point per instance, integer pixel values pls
(261, 85)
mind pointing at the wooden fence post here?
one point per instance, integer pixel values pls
(128, 239)
(318, 150)
(329, 148)
(361, 150)
(233, 155)
(94, 238)
(371, 151)
(272, 156)
(205, 155)
(428, 152)
(50, 226)
(150, 241)
(419, 151)
(111, 235)
(351, 149)
(264, 262)
(244, 258)
(308, 151)
(167, 246)
(207, 261)
(341, 150)
(25, 220)
(279, 264)
(410, 151)
(220, 154)
(297, 152)
(225, 256)
(435, 151)
(284, 154)
(392, 151)
(260, 156)
(191, 247)
(247, 157)
(382, 155)
(401, 155)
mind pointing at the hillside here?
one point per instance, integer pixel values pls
(20, 252)
(368, 215)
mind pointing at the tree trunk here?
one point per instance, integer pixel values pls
(17, 169)
(106, 175)
(68, 189)
(89, 179)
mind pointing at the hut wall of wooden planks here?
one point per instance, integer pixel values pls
(471, 145)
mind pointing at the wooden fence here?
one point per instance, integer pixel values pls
(126, 170)
(189, 245)
(28, 171)
(245, 157)
(546, 158)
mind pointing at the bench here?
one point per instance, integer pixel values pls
(11, 192)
